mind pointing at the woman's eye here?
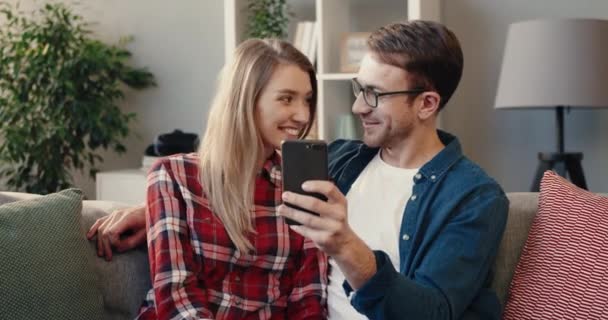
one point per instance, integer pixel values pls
(286, 99)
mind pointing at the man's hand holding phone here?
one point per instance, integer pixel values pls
(309, 198)
(319, 211)
(329, 230)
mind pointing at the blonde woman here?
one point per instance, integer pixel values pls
(217, 248)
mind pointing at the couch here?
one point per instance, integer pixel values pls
(126, 280)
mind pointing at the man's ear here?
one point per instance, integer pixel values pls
(429, 104)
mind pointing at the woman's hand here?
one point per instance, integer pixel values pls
(123, 230)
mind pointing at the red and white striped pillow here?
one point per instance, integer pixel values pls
(563, 269)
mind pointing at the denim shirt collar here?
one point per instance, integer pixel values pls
(437, 166)
(445, 159)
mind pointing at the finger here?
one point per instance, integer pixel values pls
(110, 231)
(100, 240)
(102, 234)
(306, 202)
(93, 230)
(326, 188)
(305, 218)
(107, 248)
(303, 231)
(335, 211)
(131, 242)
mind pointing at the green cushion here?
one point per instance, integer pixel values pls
(46, 270)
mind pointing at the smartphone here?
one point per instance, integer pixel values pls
(303, 160)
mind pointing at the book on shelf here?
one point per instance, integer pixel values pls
(306, 39)
(314, 43)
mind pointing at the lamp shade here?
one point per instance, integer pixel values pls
(558, 62)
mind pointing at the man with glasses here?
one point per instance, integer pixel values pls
(411, 225)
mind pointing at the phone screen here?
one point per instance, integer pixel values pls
(303, 160)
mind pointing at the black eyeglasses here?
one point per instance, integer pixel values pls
(371, 97)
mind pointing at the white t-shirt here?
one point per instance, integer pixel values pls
(376, 202)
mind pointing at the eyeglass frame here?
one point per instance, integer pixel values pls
(377, 95)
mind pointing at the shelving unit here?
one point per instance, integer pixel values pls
(334, 19)
(126, 186)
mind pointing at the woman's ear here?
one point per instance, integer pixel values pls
(429, 101)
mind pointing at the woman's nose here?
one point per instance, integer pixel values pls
(302, 112)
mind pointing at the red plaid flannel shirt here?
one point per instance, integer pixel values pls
(196, 271)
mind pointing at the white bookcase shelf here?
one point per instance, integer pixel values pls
(126, 186)
(334, 19)
(336, 76)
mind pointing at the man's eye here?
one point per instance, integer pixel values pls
(369, 92)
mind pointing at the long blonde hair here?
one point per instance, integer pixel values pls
(232, 145)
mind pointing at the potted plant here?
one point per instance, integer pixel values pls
(59, 89)
(267, 19)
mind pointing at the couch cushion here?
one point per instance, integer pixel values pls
(46, 270)
(563, 266)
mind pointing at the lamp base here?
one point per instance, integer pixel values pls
(561, 163)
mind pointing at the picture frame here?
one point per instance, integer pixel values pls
(352, 50)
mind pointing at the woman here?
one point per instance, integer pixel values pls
(217, 248)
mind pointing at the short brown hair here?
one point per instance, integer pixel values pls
(427, 50)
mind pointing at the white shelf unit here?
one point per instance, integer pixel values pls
(126, 186)
(334, 19)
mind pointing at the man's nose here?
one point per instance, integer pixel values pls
(360, 106)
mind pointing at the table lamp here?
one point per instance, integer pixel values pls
(557, 64)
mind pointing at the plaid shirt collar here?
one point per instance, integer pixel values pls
(272, 169)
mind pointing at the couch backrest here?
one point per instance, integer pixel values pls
(125, 281)
(522, 210)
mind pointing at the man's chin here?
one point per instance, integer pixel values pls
(371, 141)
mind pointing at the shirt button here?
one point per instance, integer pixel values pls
(418, 176)
(237, 279)
(413, 198)
(433, 177)
(405, 237)
(237, 301)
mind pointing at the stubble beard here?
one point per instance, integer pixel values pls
(386, 137)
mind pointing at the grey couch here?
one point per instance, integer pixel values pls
(125, 280)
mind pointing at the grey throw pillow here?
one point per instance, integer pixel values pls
(46, 270)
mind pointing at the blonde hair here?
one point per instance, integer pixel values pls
(232, 146)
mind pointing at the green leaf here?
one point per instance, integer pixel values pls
(58, 92)
(268, 18)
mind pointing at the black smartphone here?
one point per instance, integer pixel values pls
(303, 160)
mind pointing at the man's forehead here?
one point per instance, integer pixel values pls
(374, 72)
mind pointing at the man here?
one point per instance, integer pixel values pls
(411, 225)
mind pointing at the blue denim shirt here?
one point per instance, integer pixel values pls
(450, 232)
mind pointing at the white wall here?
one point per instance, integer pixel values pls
(506, 142)
(182, 43)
